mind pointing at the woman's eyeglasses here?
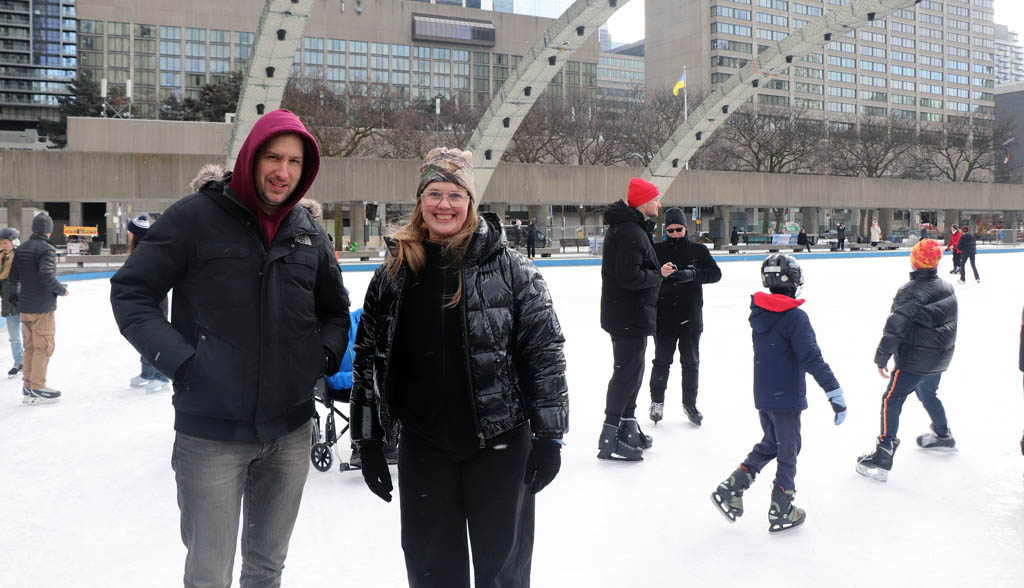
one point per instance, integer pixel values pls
(454, 198)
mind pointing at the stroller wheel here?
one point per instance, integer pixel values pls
(321, 457)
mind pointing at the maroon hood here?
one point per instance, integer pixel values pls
(266, 128)
(775, 302)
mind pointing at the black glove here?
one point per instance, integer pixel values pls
(375, 469)
(543, 464)
(685, 275)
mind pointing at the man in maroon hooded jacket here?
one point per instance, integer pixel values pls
(259, 313)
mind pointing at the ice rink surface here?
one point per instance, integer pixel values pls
(87, 496)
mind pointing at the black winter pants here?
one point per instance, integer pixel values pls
(956, 263)
(964, 258)
(627, 377)
(842, 243)
(441, 495)
(781, 442)
(689, 358)
(531, 249)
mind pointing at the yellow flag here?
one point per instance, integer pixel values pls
(680, 84)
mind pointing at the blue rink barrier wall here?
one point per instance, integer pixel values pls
(549, 262)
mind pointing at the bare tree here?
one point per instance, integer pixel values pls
(965, 150)
(538, 138)
(344, 125)
(873, 150)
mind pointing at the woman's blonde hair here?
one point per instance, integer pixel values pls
(409, 240)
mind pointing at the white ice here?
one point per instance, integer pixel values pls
(87, 496)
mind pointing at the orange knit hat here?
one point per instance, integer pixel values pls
(926, 254)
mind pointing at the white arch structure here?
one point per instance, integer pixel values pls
(277, 38)
(517, 95)
(728, 96)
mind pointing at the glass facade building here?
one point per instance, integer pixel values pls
(38, 57)
(1009, 56)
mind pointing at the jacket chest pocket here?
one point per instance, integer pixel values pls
(228, 276)
(299, 269)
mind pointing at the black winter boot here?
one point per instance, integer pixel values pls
(630, 433)
(783, 514)
(728, 497)
(612, 448)
(876, 465)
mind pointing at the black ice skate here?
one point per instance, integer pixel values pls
(630, 433)
(877, 465)
(657, 412)
(612, 448)
(14, 370)
(784, 515)
(728, 497)
(935, 441)
(693, 414)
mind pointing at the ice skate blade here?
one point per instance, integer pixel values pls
(720, 507)
(347, 467)
(609, 456)
(35, 400)
(873, 473)
(938, 449)
(774, 528)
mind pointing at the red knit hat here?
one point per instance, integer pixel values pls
(641, 192)
(926, 254)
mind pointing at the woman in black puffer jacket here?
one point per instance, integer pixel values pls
(459, 348)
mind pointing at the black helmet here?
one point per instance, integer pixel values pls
(9, 233)
(781, 271)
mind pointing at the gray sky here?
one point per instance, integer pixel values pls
(627, 25)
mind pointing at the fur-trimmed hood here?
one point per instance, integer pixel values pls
(211, 172)
(314, 207)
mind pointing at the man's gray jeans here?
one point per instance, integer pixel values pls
(217, 481)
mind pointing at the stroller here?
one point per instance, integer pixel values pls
(325, 440)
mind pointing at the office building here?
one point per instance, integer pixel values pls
(37, 60)
(412, 50)
(620, 71)
(1009, 56)
(933, 60)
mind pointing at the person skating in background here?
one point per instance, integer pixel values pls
(150, 378)
(734, 237)
(531, 239)
(968, 250)
(680, 314)
(9, 296)
(841, 236)
(801, 239)
(631, 278)
(876, 233)
(259, 314)
(35, 268)
(919, 336)
(460, 347)
(954, 244)
(785, 350)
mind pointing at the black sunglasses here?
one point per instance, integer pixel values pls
(674, 230)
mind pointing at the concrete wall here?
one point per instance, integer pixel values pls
(147, 136)
(158, 179)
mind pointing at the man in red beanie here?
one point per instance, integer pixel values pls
(919, 335)
(630, 280)
(259, 313)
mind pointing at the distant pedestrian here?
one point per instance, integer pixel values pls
(9, 294)
(876, 233)
(924, 233)
(920, 335)
(801, 239)
(35, 267)
(785, 351)
(531, 240)
(841, 235)
(968, 250)
(734, 237)
(150, 378)
(954, 244)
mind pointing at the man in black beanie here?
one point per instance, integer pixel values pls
(680, 313)
(35, 267)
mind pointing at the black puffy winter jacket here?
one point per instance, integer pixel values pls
(513, 345)
(35, 268)
(680, 304)
(630, 274)
(921, 330)
(253, 319)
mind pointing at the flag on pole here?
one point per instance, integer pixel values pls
(680, 84)
(1006, 161)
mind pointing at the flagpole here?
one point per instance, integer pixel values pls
(686, 110)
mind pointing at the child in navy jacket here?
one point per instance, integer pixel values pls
(785, 350)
